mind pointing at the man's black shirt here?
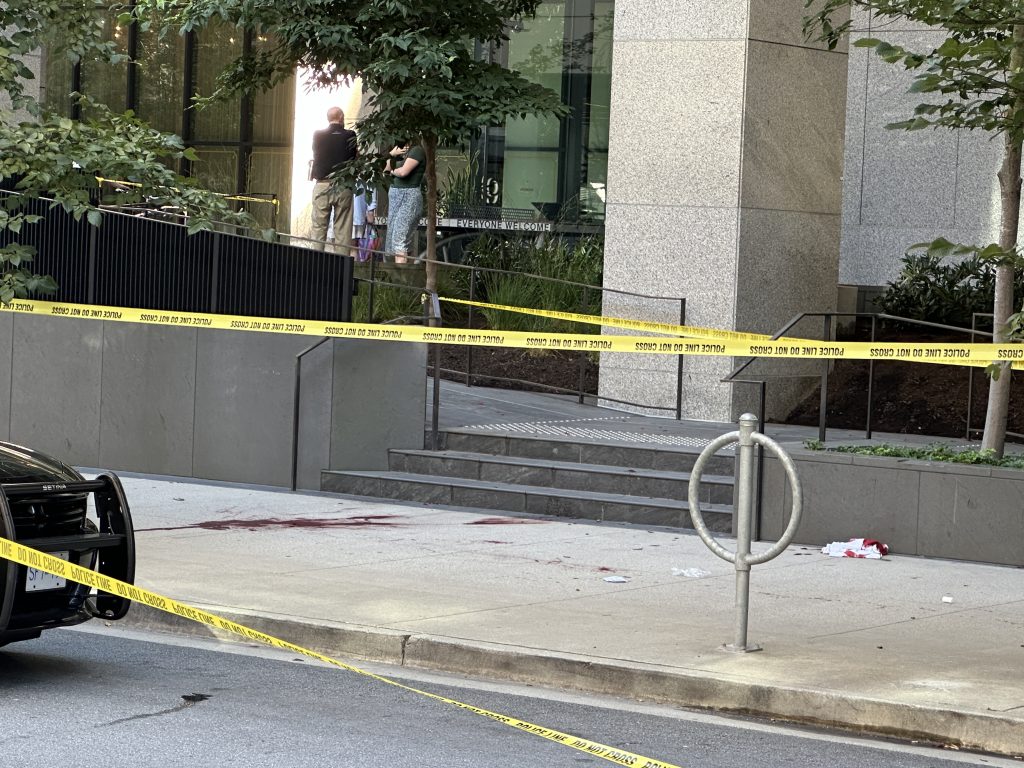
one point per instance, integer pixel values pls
(332, 146)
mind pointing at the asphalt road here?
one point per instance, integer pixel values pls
(116, 698)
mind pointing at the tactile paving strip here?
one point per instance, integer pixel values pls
(564, 428)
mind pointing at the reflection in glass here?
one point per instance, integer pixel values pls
(160, 72)
(558, 167)
(217, 169)
(216, 47)
(273, 113)
(57, 82)
(270, 176)
(530, 170)
(592, 193)
(103, 81)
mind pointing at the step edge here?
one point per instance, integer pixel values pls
(537, 490)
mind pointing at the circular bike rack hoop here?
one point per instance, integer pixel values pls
(743, 558)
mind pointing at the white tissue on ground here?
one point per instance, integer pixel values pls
(691, 573)
(864, 548)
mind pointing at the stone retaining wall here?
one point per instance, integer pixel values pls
(932, 509)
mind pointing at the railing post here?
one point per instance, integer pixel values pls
(469, 322)
(373, 279)
(93, 248)
(823, 407)
(296, 408)
(679, 366)
(871, 383)
(582, 360)
(970, 382)
(433, 306)
(755, 528)
(215, 272)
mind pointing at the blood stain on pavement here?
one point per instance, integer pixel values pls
(360, 521)
(504, 521)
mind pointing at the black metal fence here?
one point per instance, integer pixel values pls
(138, 261)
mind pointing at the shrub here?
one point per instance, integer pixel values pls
(515, 290)
(931, 289)
(530, 262)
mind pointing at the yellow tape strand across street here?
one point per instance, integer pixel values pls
(33, 558)
(955, 354)
(692, 331)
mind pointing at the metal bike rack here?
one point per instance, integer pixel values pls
(747, 437)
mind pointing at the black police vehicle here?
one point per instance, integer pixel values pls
(45, 504)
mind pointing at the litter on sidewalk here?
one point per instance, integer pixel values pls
(691, 573)
(864, 548)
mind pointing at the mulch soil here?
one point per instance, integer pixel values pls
(909, 398)
(531, 368)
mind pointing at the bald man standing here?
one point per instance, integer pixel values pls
(333, 148)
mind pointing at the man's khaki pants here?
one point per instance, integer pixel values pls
(339, 200)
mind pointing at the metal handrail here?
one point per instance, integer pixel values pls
(296, 395)
(432, 316)
(581, 395)
(970, 380)
(733, 378)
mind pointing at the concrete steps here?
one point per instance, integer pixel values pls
(549, 476)
(564, 475)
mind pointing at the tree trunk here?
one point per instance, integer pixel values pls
(430, 148)
(994, 438)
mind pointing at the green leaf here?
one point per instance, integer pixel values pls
(95, 217)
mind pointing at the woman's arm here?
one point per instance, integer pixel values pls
(406, 168)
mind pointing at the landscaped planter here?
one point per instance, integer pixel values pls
(928, 508)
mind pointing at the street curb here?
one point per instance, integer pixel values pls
(368, 644)
(990, 732)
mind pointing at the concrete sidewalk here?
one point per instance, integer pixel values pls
(859, 643)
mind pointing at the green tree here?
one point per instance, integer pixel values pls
(45, 155)
(972, 79)
(415, 59)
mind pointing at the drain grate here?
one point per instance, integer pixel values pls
(564, 428)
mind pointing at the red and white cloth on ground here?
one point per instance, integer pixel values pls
(866, 548)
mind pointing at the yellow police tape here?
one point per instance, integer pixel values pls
(955, 354)
(692, 331)
(618, 322)
(42, 561)
(244, 198)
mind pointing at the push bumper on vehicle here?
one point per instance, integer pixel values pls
(42, 515)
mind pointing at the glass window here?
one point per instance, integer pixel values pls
(216, 46)
(559, 167)
(270, 175)
(531, 152)
(57, 82)
(105, 82)
(273, 111)
(160, 81)
(595, 175)
(217, 169)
